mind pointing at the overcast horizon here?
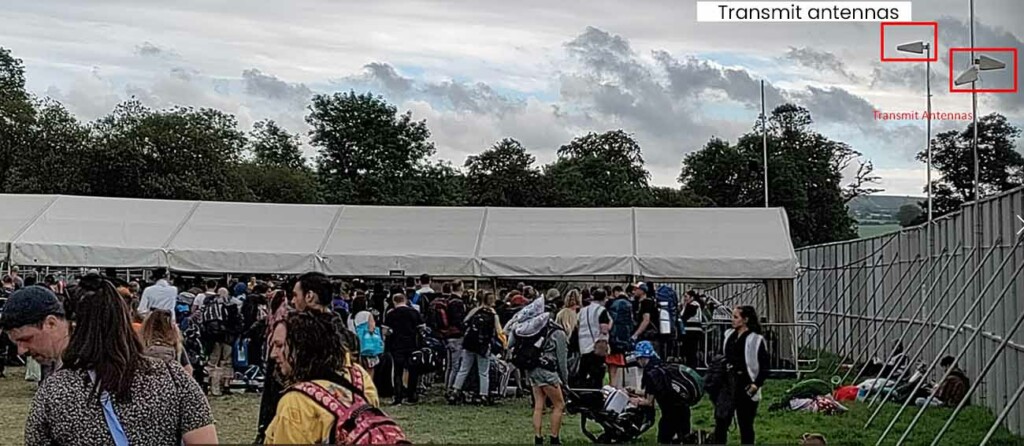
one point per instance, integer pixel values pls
(536, 71)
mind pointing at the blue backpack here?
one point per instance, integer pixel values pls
(667, 299)
(621, 312)
(182, 311)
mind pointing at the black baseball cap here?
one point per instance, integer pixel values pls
(29, 306)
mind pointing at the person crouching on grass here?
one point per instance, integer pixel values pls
(305, 348)
(674, 424)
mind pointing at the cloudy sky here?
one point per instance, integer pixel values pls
(536, 70)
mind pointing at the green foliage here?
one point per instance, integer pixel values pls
(57, 146)
(1001, 167)
(16, 113)
(369, 154)
(182, 153)
(908, 214)
(270, 145)
(805, 175)
(599, 170)
(504, 175)
(279, 184)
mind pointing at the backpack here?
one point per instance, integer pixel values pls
(182, 311)
(428, 358)
(480, 332)
(621, 312)
(358, 423)
(668, 309)
(437, 317)
(677, 382)
(528, 351)
(221, 318)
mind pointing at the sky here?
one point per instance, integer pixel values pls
(539, 71)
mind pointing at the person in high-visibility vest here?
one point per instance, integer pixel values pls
(693, 324)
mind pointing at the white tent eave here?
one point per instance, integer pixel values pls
(694, 244)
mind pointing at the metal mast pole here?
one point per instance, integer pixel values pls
(764, 134)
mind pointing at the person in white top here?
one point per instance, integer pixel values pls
(594, 325)
(211, 291)
(159, 296)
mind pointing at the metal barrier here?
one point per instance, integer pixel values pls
(792, 347)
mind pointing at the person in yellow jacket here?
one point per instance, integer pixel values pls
(305, 351)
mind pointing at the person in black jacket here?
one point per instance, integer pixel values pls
(747, 365)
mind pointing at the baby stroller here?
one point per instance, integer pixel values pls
(609, 408)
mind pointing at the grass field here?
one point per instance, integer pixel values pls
(865, 231)
(509, 422)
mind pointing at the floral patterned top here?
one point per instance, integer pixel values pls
(165, 404)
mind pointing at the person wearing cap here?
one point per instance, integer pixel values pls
(647, 314)
(674, 425)
(34, 320)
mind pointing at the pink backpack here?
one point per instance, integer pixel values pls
(358, 423)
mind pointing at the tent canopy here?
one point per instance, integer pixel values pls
(664, 243)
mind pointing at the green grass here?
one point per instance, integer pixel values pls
(509, 422)
(865, 231)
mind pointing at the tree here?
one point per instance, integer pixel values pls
(668, 197)
(182, 153)
(503, 175)
(438, 184)
(805, 176)
(16, 113)
(599, 170)
(279, 184)
(52, 157)
(270, 145)
(1001, 167)
(909, 214)
(368, 153)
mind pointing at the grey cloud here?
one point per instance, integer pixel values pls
(907, 76)
(270, 87)
(388, 78)
(147, 49)
(820, 60)
(956, 33)
(463, 97)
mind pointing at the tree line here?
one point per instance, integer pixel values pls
(370, 153)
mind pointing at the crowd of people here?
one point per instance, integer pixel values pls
(138, 363)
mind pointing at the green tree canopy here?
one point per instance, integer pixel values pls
(1001, 167)
(368, 153)
(504, 175)
(270, 145)
(805, 176)
(599, 170)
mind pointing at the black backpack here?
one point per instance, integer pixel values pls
(221, 318)
(528, 352)
(480, 332)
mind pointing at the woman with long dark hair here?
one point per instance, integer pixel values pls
(747, 362)
(109, 393)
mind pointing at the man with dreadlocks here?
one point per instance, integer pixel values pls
(322, 384)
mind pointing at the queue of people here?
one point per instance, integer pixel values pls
(324, 350)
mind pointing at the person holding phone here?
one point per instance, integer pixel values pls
(747, 362)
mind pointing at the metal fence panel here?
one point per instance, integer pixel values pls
(844, 276)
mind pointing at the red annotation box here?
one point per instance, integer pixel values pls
(1012, 63)
(934, 44)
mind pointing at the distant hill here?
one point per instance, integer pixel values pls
(879, 208)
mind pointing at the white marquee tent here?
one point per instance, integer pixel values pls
(693, 244)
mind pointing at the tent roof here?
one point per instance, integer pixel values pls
(663, 243)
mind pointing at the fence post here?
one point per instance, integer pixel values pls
(927, 321)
